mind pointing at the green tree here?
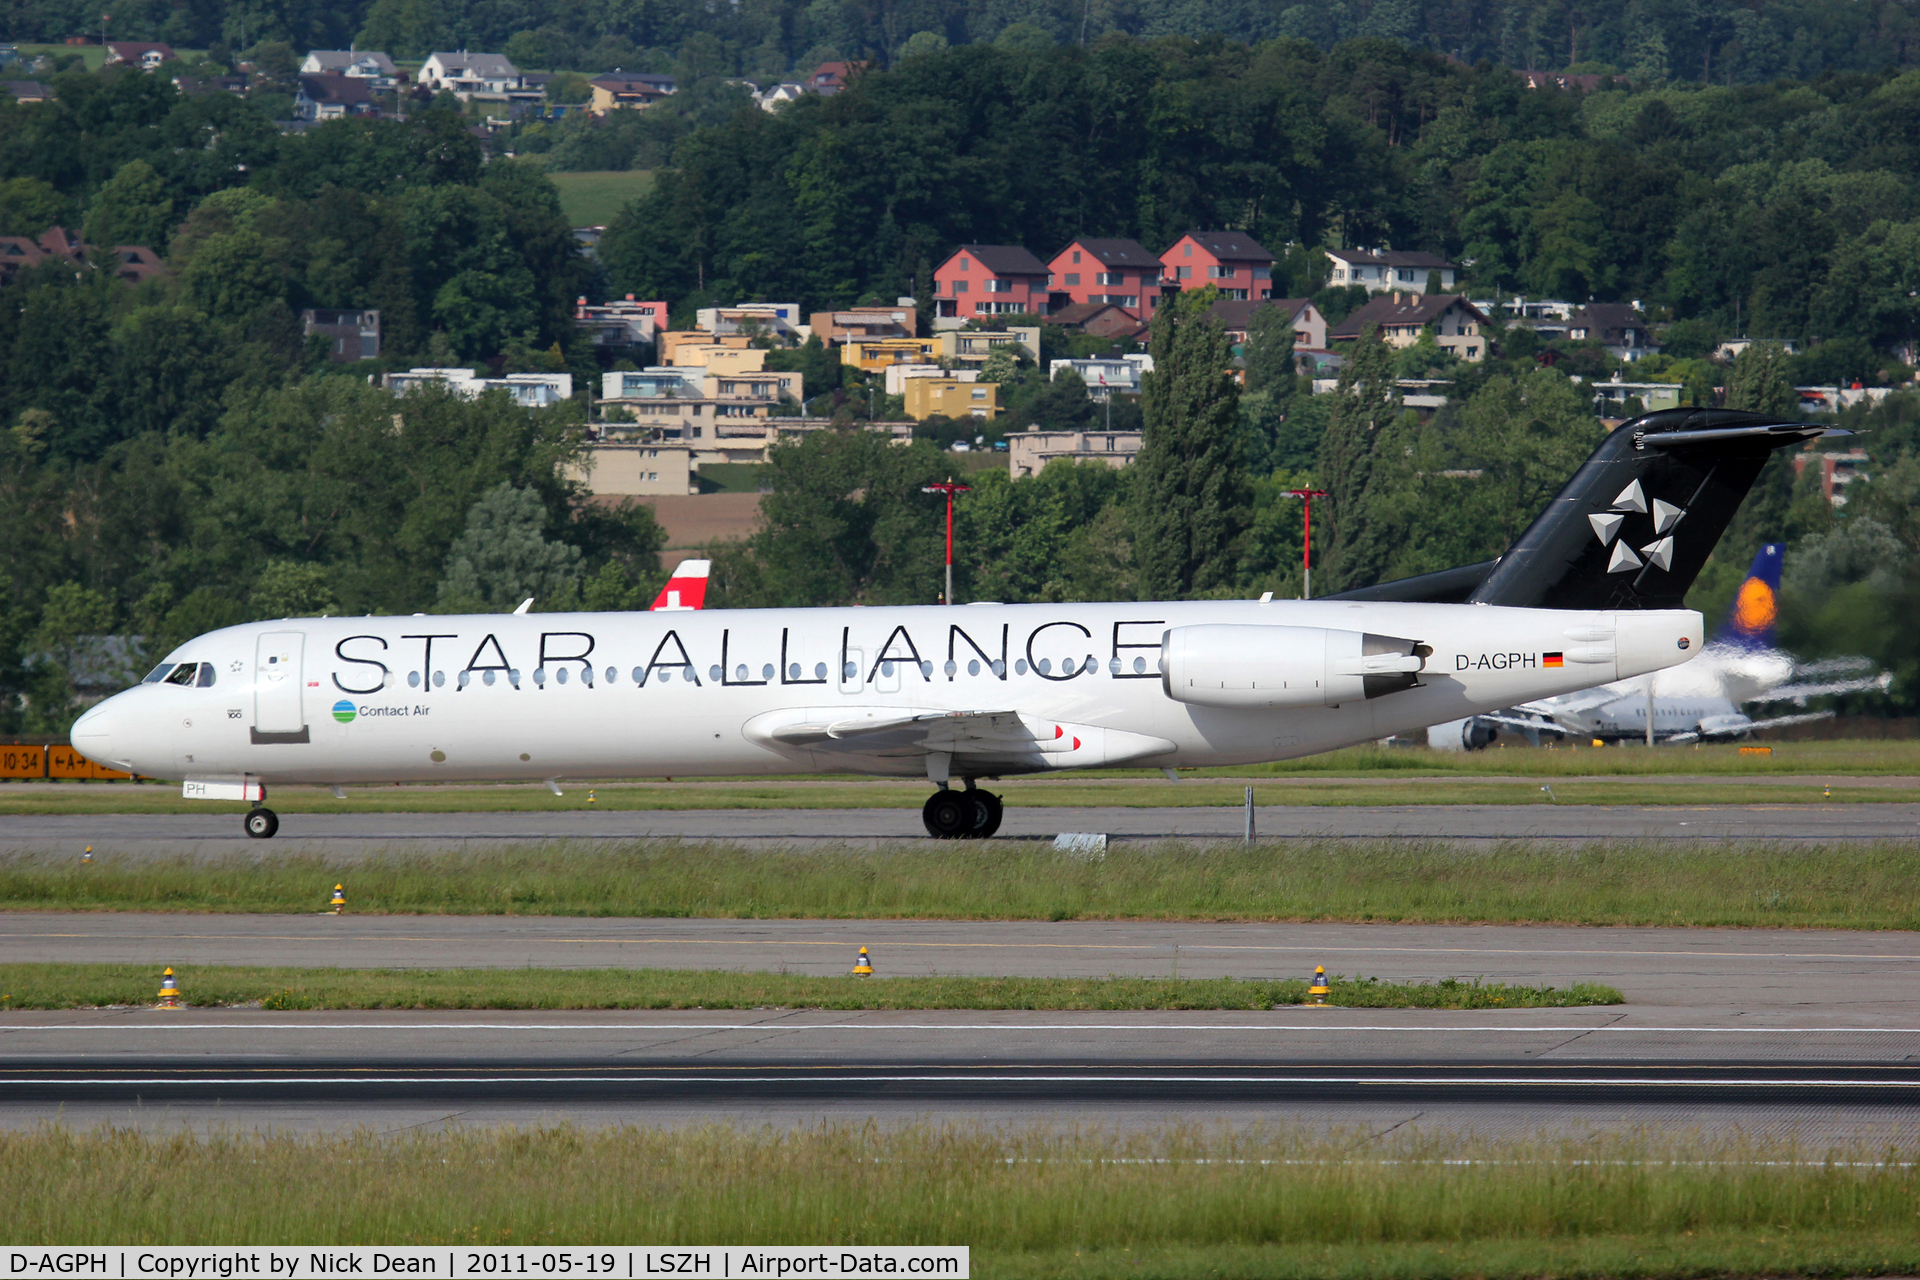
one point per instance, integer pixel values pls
(28, 206)
(1759, 381)
(503, 557)
(289, 589)
(1353, 550)
(132, 208)
(1194, 503)
(1269, 353)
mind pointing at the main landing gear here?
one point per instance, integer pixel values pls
(961, 815)
(261, 822)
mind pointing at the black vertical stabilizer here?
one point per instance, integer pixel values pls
(1636, 522)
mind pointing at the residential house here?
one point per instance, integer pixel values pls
(1456, 322)
(686, 404)
(1101, 319)
(133, 53)
(773, 319)
(672, 340)
(24, 91)
(635, 469)
(778, 96)
(620, 325)
(835, 327)
(833, 77)
(1309, 326)
(716, 357)
(1119, 273)
(1610, 398)
(1837, 470)
(353, 335)
(656, 382)
(1732, 347)
(332, 97)
(874, 354)
(969, 348)
(951, 397)
(896, 375)
(1231, 261)
(1388, 270)
(1105, 377)
(990, 280)
(475, 77)
(133, 263)
(619, 90)
(376, 69)
(1617, 326)
(532, 390)
(1029, 451)
(202, 86)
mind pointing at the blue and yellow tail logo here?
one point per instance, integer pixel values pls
(1756, 607)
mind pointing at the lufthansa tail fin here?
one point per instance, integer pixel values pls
(1750, 622)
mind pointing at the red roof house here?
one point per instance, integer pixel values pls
(1231, 261)
(1118, 273)
(990, 280)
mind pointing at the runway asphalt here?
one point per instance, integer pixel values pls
(1814, 1035)
(350, 835)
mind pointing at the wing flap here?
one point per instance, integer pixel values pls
(973, 738)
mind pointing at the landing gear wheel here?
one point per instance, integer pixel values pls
(987, 812)
(262, 823)
(949, 815)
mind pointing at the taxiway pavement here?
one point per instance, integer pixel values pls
(348, 835)
(1813, 1035)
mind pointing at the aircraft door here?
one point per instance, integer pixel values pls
(278, 713)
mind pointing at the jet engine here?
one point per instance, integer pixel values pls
(1225, 665)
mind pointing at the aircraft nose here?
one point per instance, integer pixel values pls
(101, 735)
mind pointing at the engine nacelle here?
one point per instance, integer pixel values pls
(1223, 665)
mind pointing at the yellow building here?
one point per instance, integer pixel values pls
(673, 339)
(952, 397)
(874, 354)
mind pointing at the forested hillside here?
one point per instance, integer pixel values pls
(1709, 41)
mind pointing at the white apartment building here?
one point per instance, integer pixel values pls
(1105, 376)
(1385, 270)
(532, 390)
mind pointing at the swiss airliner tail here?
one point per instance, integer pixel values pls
(687, 589)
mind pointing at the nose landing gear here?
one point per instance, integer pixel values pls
(962, 815)
(261, 822)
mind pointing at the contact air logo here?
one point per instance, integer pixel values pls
(343, 711)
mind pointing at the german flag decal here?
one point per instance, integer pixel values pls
(1552, 660)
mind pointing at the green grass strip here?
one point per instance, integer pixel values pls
(1866, 885)
(1029, 1201)
(67, 986)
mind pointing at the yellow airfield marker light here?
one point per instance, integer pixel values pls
(863, 967)
(169, 990)
(1319, 990)
(88, 855)
(589, 796)
(1827, 792)
(339, 899)
(1598, 743)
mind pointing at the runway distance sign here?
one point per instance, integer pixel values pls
(621, 1262)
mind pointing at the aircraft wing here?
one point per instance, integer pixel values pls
(977, 741)
(1778, 722)
(1795, 692)
(1572, 703)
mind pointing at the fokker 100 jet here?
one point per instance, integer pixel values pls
(1591, 593)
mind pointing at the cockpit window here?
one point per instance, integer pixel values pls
(189, 675)
(206, 676)
(158, 674)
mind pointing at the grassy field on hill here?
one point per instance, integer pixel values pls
(593, 199)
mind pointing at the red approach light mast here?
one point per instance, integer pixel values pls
(949, 488)
(1306, 541)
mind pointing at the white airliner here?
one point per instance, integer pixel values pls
(954, 694)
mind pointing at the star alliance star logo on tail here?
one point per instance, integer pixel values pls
(1658, 553)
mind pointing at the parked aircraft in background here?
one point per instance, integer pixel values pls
(1698, 701)
(1592, 591)
(687, 588)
